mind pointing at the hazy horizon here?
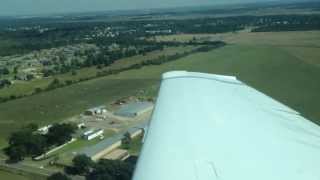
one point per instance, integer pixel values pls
(32, 7)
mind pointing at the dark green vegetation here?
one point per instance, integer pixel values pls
(126, 140)
(108, 169)
(59, 176)
(27, 142)
(288, 23)
(59, 134)
(81, 165)
(103, 169)
(4, 83)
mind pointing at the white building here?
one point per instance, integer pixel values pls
(89, 135)
(95, 111)
(44, 130)
(81, 125)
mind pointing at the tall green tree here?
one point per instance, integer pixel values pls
(111, 170)
(81, 165)
(25, 143)
(15, 153)
(58, 176)
(126, 140)
(60, 133)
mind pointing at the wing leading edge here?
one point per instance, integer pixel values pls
(210, 127)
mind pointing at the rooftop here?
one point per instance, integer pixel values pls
(133, 108)
(95, 149)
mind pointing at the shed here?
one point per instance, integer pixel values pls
(95, 111)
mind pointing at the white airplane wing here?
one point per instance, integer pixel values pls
(211, 127)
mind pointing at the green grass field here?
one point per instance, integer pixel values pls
(9, 176)
(279, 70)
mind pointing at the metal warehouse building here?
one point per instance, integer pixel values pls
(134, 109)
(107, 145)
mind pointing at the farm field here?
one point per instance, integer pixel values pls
(275, 68)
(291, 38)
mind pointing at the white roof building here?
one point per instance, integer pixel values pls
(211, 127)
(45, 129)
(89, 135)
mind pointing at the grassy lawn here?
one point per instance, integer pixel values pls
(76, 145)
(66, 154)
(59, 104)
(288, 75)
(9, 176)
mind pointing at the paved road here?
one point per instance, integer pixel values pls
(19, 167)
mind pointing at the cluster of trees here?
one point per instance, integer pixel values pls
(4, 71)
(126, 140)
(55, 84)
(162, 59)
(27, 142)
(103, 169)
(109, 169)
(4, 83)
(27, 77)
(103, 57)
(288, 23)
(106, 57)
(27, 40)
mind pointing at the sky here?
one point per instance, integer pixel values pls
(28, 7)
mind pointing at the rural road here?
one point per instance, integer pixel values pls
(25, 169)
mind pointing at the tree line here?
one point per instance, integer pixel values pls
(56, 83)
(289, 23)
(27, 142)
(104, 169)
(163, 59)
